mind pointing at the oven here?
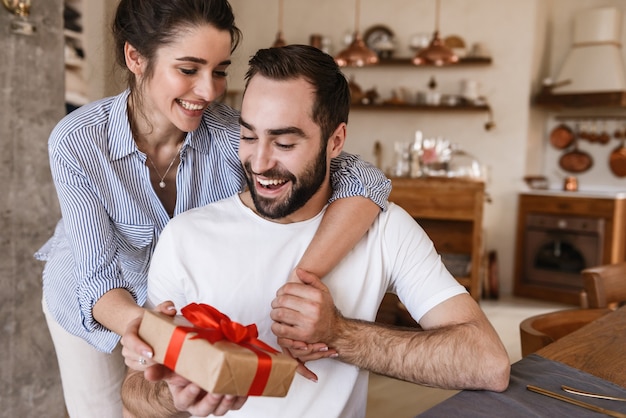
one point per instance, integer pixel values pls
(557, 248)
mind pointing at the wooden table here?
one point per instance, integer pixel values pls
(597, 348)
(591, 358)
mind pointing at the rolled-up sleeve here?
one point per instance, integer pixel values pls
(353, 176)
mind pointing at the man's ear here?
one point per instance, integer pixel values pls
(134, 60)
(336, 141)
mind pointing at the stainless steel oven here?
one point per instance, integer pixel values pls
(557, 248)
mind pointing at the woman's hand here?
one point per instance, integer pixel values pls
(137, 354)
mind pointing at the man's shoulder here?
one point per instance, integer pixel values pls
(396, 214)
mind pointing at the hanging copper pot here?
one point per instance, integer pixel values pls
(561, 136)
(617, 160)
(575, 160)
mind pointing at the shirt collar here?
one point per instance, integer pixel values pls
(120, 138)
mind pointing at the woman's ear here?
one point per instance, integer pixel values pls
(336, 141)
(134, 60)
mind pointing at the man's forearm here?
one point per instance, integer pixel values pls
(144, 399)
(451, 357)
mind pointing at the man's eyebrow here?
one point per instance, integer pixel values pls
(245, 124)
(289, 130)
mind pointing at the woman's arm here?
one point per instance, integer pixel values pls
(343, 225)
(93, 243)
(360, 191)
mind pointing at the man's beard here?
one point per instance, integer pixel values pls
(302, 189)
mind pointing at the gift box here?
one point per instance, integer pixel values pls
(219, 355)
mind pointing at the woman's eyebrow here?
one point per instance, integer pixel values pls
(203, 61)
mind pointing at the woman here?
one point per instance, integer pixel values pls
(124, 165)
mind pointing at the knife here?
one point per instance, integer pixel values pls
(576, 402)
(591, 394)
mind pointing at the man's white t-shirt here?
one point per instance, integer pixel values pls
(227, 256)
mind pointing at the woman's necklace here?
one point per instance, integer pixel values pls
(162, 182)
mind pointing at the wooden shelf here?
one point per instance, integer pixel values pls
(466, 61)
(406, 62)
(606, 99)
(422, 108)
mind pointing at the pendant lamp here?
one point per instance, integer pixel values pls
(436, 53)
(280, 41)
(357, 54)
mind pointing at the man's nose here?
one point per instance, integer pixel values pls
(262, 159)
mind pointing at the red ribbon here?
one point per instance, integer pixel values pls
(212, 325)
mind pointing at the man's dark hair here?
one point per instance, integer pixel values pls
(332, 94)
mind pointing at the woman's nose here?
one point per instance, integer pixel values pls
(207, 88)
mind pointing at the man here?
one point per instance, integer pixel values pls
(293, 121)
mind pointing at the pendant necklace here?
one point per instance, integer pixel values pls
(162, 182)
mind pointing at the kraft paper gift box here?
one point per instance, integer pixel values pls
(205, 352)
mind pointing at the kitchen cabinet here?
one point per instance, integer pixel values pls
(450, 210)
(559, 234)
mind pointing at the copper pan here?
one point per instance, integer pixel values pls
(575, 160)
(561, 136)
(617, 160)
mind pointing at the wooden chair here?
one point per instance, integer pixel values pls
(604, 286)
(540, 330)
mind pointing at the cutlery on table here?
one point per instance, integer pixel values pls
(591, 394)
(576, 402)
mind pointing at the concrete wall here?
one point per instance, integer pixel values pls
(31, 99)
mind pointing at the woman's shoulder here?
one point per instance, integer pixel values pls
(87, 122)
(221, 116)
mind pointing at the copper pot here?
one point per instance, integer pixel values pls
(561, 137)
(575, 160)
(617, 160)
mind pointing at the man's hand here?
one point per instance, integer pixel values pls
(305, 313)
(189, 397)
(159, 392)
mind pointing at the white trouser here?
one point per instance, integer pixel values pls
(91, 380)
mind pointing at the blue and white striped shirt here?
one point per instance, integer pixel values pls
(112, 217)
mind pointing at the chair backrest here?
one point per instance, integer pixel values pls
(604, 286)
(540, 330)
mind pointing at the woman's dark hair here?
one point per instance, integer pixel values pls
(332, 94)
(148, 25)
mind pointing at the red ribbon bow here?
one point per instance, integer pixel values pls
(212, 325)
